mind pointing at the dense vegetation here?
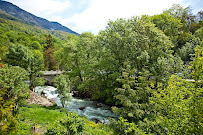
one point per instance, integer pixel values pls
(139, 66)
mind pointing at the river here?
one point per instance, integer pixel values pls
(91, 109)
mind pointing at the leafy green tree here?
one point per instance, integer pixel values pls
(123, 127)
(36, 63)
(196, 120)
(134, 95)
(63, 55)
(36, 45)
(197, 66)
(199, 33)
(49, 59)
(18, 55)
(63, 88)
(141, 43)
(70, 124)
(23, 39)
(184, 14)
(178, 107)
(13, 89)
(3, 51)
(179, 104)
(168, 24)
(79, 56)
(186, 51)
(189, 23)
(32, 61)
(3, 39)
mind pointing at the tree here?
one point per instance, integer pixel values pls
(36, 63)
(49, 59)
(64, 55)
(197, 66)
(184, 14)
(36, 45)
(179, 104)
(13, 89)
(63, 88)
(78, 54)
(141, 43)
(168, 24)
(199, 33)
(79, 57)
(69, 124)
(123, 127)
(32, 61)
(49, 42)
(179, 107)
(134, 95)
(18, 55)
(196, 120)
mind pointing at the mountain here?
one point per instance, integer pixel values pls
(32, 19)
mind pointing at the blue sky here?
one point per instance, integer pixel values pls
(93, 15)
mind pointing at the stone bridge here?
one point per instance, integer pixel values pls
(50, 75)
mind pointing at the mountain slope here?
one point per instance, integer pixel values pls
(32, 19)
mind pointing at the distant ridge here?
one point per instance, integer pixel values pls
(32, 19)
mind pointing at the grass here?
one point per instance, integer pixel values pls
(40, 116)
(43, 117)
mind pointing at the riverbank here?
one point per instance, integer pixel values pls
(39, 120)
(35, 98)
(38, 115)
(92, 110)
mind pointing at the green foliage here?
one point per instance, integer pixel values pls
(12, 90)
(176, 109)
(71, 124)
(63, 88)
(199, 33)
(12, 80)
(197, 66)
(49, 59)
(168, 24)
(36, 63)
(183, 14)
(57, 121)
(32, 61)
(134, 95)
(18, 55)
(151, 102)
(123, 127)
(141, 43)
(186, 51)
(8, 121)
(36, 45)
(39, 115)
(23, 128)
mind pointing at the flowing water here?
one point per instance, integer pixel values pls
(91, 109)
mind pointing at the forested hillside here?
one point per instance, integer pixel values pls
(149, 69)
(32, 19)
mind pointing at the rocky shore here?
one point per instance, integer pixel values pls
(35, 98)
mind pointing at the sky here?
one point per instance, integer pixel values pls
(93, 15)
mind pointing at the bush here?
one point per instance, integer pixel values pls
(71, 124)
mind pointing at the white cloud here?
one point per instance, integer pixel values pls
(95, 18)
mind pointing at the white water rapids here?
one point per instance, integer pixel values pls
(92, 109)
